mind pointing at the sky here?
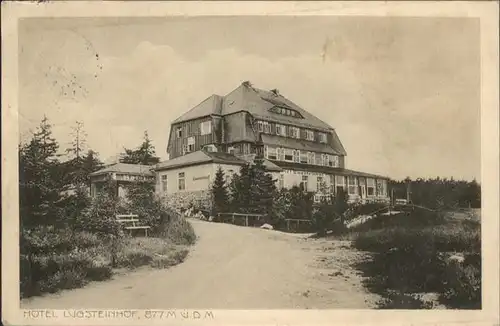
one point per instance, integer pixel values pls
(403, 94)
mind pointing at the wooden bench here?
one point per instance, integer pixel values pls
(130, 222)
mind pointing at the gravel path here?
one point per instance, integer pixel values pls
(233, 267)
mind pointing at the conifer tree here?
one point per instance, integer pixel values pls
(219, 193)
(39, 187)
(145, 154)
(240, 189)
(262, 189)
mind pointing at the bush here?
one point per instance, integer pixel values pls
(415, 218)
(462, 288)
(408, 269)
(173, 259)
(55, 271)
(100, 217)
(399, 300)
(413, 257)
(177, 230)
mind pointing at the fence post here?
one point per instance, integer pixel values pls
(246, 220)
(232, 217)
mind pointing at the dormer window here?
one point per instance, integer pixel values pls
(287, 111)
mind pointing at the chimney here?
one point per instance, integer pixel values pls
(247, 83)
(275, 92)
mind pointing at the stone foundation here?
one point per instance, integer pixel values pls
(201, 199)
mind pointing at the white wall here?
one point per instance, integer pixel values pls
(197, 177)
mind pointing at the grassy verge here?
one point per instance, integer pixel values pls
(420, 253)
(66, 259)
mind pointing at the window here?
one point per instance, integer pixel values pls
(281, 154)
(384, 188)
(289, 155)
(210, 148)
(322, 137)
(182, 181)
(272, 153)
(280, 130)
(304, 157)
(340, 183)
(281, 181)
(352, 188)
(206, 127)
(310, 158)
(230, 150)
(296, 156)
(304, 182)
(324, 159)
(319, 184)
(164, 183)
(284, 110)
(380, 188)
(178, 132)
(370, 186)
(190, 144)
(333, 161)
(267, 127)
(309, 135)
(260, 126)
(294, 132)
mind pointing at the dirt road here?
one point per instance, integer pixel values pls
(233, 267)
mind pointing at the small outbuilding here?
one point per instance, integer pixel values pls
(123, 174)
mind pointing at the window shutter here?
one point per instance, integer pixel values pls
(273, 128)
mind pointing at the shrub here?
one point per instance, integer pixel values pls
(412, 257)
(100, 217)
(178, 231)
(175, 258)
(401, 300)
(416, 218)
(462, 288)
(52, 272)
(418, 269)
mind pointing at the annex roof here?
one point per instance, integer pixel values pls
(201, 156)
(135, 169)
(326, 169)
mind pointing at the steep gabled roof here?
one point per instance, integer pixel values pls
(211, 105)
(136, 169)
(258, 102)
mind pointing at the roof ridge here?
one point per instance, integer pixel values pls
(193, 108)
